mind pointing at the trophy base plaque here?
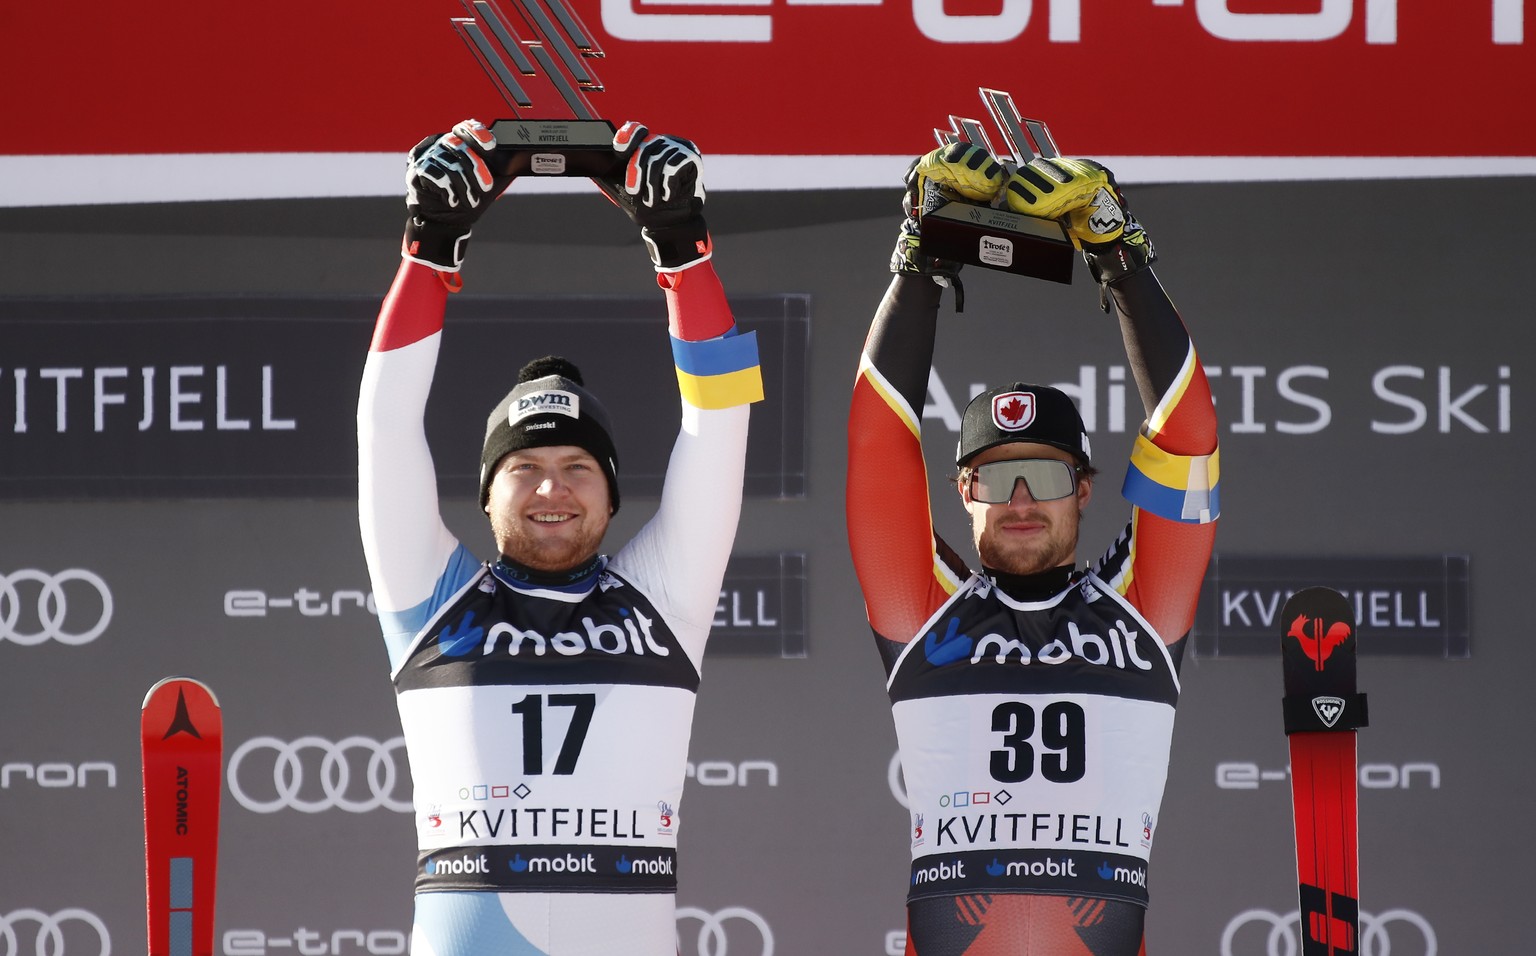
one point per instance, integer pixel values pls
(556, 148)
(999, 239)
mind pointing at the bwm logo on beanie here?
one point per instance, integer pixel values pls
(549, 406)
(549, 401)
(1013, 411)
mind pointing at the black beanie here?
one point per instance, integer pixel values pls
(549, 406)
(1022, 412)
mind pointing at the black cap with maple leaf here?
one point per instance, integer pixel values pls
(1022, 412)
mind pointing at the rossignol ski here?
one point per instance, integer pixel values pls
(1322, 712)
(182, 734)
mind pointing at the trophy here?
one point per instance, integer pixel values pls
(578, 145)
(989, 236)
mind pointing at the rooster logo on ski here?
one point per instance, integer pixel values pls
(1318, 643)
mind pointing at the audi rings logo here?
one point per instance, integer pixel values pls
(312, 774)
(19, 938)
(1250, 929)
(733, 931)
(36, 606)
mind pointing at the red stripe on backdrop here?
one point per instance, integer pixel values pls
(1112, 77)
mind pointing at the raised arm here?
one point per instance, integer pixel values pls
(1173, 475)
(410, 552)
(904, 571)
(680, 555)
(404, 539)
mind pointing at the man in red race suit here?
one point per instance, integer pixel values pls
(1033, 699)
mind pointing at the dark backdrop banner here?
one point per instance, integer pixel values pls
(1404, 604)
(1370, 354)
(152, 397)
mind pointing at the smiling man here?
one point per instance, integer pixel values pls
(548, 470)
(1033, 699)
(547, 696)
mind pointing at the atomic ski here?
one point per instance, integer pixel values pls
(1322, 712)
(182, 735)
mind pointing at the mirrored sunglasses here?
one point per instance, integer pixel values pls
(1046, 478)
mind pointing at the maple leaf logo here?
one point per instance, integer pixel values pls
(1013, 411)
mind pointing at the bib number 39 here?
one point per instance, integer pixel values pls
(1059, 753)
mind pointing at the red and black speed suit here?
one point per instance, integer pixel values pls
(1149, 576)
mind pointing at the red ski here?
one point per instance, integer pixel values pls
(182, 736)
(1322, 712)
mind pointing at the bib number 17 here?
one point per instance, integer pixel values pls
(531, 710)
